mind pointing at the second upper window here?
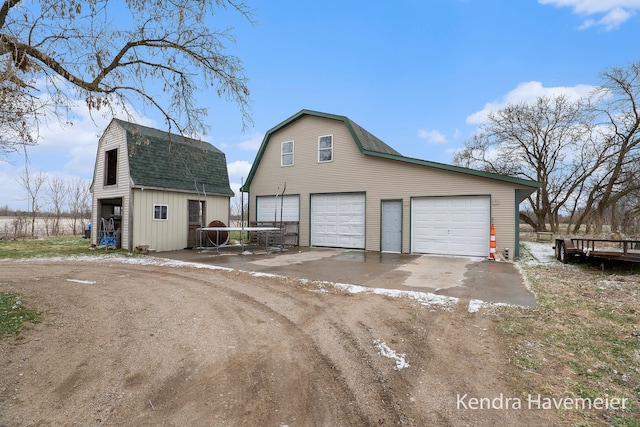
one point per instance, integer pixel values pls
(325, 148)
(286, 154)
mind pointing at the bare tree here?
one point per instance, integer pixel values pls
(78, 201)
(113, 55)
(239, 209)
(16, 111)
(547, 141)
(57, 192)
(616, 106)
(33, 185)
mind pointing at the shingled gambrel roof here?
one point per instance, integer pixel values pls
(370, 145)
(164, 160)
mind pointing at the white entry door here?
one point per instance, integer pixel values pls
(338, 220)
(391, 232)
(451, 225)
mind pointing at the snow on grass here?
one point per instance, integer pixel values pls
(536, 253)
(425, 298)
(477, 304)
(384, 350)
(115, 258)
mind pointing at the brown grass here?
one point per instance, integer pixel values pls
(582, 340)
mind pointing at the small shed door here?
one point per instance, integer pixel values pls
(391, 226)
(196, 211)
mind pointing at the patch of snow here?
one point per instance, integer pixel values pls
(477, 304)
(538, 253)
(84, 282)
(258, 274)
(425, 298)
(384, 350)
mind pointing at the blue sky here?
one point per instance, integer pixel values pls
(418, 74)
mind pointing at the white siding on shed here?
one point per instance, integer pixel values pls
(451, 225)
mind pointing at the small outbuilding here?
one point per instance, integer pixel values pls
(153, 189)
(348, 189)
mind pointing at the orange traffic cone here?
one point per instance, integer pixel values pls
(492, 244)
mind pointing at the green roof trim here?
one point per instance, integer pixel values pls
(370, 145)
(169, 161)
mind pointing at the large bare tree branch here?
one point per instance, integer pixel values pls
(158, 53)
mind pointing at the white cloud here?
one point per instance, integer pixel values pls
(66, 150)
(528, 92)
(615, 11)
(432, 136)
(253, 143)
(614, 18)
(239, 169)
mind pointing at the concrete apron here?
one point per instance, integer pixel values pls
(460, 277)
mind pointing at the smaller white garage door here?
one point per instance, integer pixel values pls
(269, 208)
(451, 225)
(338, 220)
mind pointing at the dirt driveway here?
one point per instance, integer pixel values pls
(131, 344)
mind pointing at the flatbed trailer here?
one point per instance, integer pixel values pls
(610, 249)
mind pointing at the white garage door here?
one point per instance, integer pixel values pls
(269, 208)
(451, 225)
(337, 220)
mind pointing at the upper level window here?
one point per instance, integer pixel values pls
(286, 154)
(111, 167)
(325, 148)
(160, 212)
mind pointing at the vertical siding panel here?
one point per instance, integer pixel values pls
(173, 233)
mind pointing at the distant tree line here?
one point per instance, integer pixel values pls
(50, 199)
(585, 154)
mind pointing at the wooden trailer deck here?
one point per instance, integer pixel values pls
(616, 250)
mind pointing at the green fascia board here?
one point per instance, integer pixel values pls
(162, 160)
(370, 145)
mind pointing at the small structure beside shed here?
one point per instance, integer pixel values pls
(155, 189)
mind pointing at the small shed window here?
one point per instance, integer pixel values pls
(160, 212)
(111, 167)
(325, 148)
(286, 154)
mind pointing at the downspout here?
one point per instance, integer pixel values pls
(129, 206)
(516, 249)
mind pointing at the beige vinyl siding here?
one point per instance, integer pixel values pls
(172, 233)
(114, 137)
(217, 207)
(379, 178)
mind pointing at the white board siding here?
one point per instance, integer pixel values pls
(451, 225)
(170, 234)
(338, 220)
(269, 208)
